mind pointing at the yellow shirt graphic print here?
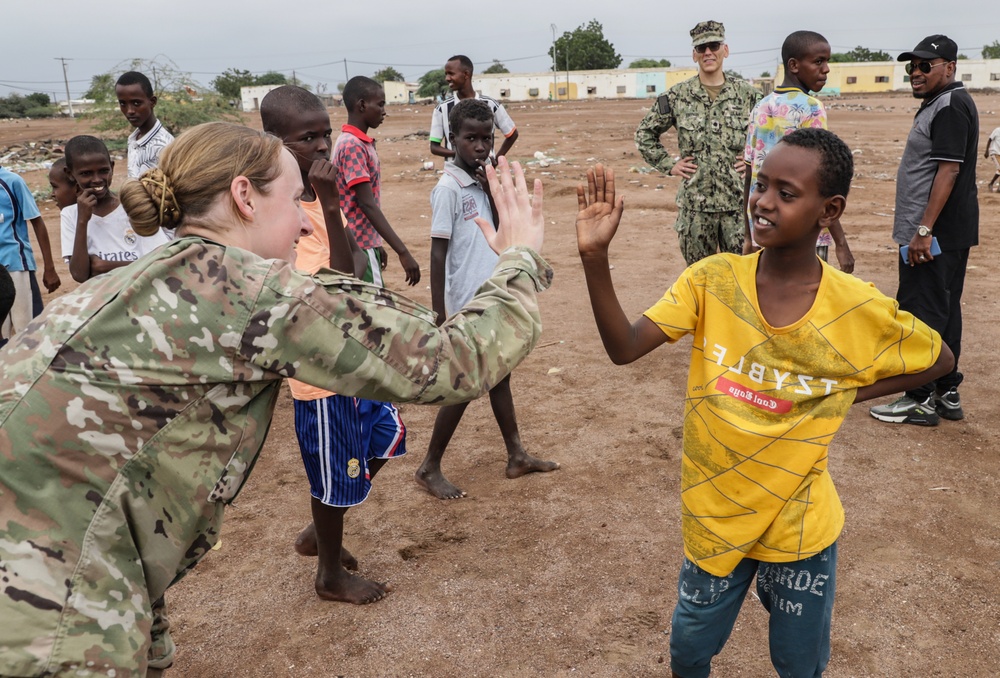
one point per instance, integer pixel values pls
(763, 404)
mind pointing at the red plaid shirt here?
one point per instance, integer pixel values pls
(357, 162)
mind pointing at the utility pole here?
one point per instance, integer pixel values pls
(555, 63)
(567, 68)
(69, 102)
(347, 76)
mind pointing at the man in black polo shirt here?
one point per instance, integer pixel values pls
(936, 200)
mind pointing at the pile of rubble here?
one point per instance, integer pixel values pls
(32, 155)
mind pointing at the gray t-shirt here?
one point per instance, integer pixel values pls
(946, 127)
(456, 201)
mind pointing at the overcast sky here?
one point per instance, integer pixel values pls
(314, 37)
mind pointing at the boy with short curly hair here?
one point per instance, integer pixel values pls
(783, 345)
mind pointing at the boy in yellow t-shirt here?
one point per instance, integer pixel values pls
(783, 345)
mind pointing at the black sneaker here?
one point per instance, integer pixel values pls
(906, 410)
(949, 405)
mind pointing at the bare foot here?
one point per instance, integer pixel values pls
(350, 588)
(305, 545)
(435, 483)
(524, 464)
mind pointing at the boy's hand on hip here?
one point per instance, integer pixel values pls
(600, 211)
(521, 218)
(410, 267)
(323, 179)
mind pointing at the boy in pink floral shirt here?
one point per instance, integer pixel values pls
(806, 56)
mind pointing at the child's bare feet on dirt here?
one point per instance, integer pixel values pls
(435, 483)
(350, 588)
(305, 545)
(524, 463)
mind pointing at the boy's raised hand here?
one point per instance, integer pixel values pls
(600, 211)
(323, 178)
(521, 219)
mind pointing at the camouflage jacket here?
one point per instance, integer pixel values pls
(713, 133)
(133, 410)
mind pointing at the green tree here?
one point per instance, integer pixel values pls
(388, 73)
(37, 99)
(962, 56)
(496, 67)
(432, 84)
(585, 49)
(229, 82)
(861, 54)
(271, 78)
(12, 106)
(650, 63)
(766, 74)
(992, 51)
(102, 88)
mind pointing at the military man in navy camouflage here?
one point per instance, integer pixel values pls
(710, 112)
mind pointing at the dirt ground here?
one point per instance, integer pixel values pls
(574, 572)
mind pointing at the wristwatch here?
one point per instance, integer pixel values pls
(923, 231)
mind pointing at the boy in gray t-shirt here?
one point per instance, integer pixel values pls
(461, 261)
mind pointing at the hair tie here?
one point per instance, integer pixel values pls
(156, 177)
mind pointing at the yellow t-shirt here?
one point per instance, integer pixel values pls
(311, 254)
(763, 404)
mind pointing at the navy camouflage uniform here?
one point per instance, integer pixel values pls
(714, 133)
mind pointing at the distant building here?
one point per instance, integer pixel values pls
(648, 83)
(626, 83)
(403, 93)
(79, 106)
(250, 97)
(890, 76)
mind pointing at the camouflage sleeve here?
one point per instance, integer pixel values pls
(359, 339)
(647, 137)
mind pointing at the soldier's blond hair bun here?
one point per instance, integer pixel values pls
(194, 170)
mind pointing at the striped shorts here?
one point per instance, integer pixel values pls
(337, 436)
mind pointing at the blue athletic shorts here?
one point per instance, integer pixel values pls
(337, 436)
(798, 596)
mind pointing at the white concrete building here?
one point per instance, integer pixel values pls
(250, 97)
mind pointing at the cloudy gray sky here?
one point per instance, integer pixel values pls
(313, 38)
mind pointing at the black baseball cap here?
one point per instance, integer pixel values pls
(932, 47)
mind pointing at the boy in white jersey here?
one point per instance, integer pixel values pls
(783, 345)
(96, 233)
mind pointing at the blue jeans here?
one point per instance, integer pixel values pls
(798, 596)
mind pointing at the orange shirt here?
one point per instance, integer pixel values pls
(311, 254)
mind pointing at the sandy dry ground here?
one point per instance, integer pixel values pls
(573, 572)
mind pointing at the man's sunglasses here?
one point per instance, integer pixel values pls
(923, 67)
(708, 46)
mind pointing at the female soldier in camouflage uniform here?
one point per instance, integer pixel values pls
(133, 410)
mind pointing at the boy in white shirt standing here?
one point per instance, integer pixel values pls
(137, 101)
